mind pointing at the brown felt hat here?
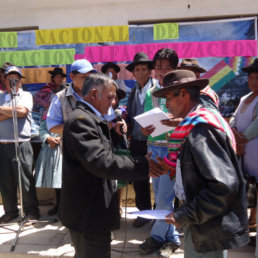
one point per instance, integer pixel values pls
(251, 68)
(140, 58)
(192, 65)
(179, 79)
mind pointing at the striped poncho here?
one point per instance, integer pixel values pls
(179, 135)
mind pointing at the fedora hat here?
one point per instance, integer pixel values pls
(251, 68)
(110, 65)
(56, 71)
(179, 79)
(192, 65)
(140, 58)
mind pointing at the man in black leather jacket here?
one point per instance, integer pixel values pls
(209, 182)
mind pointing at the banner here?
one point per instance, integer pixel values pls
(82, 35)
(38, 57)
(122, 53)
(38, 75)
(165, 31)
(8, 39)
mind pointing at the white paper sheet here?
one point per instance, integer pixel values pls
(153, 117)
(152, 214)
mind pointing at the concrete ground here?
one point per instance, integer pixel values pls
(52, 240)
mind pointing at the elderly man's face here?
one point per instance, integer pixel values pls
(142, 74)
(161, 68)
(176, 103)
(105, 99)
(13, 77)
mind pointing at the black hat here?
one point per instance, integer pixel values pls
(120, 94)
(140, 58)
(56, 71)
(5, 65)
(251, 68)
(110, 65)
(192, 65)
(179, 79)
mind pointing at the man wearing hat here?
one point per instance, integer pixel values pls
(209, 182)
(141, 69)
(112, 69)
(65, 101)
(163, 237)
(9, 170)
(208, 96)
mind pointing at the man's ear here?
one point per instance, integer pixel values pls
(182, 93)
(72, 76)
(93, 94)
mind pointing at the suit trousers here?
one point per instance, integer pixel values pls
(97, 246)
(9, 178)
(141, 187)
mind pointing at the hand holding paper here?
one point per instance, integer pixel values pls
(154, 117)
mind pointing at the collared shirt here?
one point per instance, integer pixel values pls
(55, 115)
(178, 187)
(24, 99)
(94, 109)
(140, 93)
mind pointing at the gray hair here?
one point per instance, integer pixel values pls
(97, 81)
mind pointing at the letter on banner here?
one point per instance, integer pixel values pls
(82, 35)
(165, 31)
(8, 39)
(39, 57)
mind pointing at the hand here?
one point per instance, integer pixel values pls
(171, 220)
(53, 141)
(120, 127)
(163, 164)
(155, 170)
(240, 138)
(147, 130)
(173, 122)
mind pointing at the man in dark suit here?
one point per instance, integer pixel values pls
(89, 202)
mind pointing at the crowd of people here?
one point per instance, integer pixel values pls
(196, 166)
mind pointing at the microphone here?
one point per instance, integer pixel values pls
(118, 115)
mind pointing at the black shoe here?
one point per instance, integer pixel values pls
(168, 249)
(52, 211)
(140, 222)
(8, 217)
(150, 245)
(33, 216)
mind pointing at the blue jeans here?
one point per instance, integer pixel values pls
(164, 194)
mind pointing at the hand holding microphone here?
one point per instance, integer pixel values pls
(120, 126)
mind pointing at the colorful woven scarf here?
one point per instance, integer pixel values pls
(179, 135)
(212, 94)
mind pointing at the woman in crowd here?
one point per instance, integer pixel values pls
(48, 169)
(244, 124)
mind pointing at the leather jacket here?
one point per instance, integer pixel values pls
(215, 208)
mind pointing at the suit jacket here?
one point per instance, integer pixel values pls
(89, 202)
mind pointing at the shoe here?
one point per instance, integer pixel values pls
(7, 217)
(140, 222)
(168, 249)
(52, 211)
(33, 216)
(150, 245)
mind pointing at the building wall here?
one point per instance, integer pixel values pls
(49, 14)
